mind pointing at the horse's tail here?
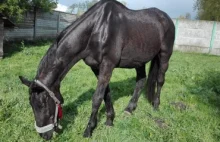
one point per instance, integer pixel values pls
(152, 78)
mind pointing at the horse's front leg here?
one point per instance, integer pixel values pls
(108, 103)
(105, 73)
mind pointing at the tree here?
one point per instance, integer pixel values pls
(16, 8)
(45, 5)
(186, 16)
(84, 6)
(12, 8)
(208, 9)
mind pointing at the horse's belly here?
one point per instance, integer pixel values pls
(134, 57)
(129, 63)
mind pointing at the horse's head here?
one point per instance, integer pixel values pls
(46, 107)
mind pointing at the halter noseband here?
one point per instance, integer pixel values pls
(58, 110)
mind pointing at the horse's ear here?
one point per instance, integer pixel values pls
(25, 81)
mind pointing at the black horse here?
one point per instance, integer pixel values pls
(107, 36)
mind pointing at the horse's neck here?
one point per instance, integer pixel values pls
(63, 55)
(68, 49)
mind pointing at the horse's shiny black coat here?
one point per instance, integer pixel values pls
(107, 36)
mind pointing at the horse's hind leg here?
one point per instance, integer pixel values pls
(163, 66)
(140, 82)
(109, 108)
(105, 73)
(164, 56)
(108, 103)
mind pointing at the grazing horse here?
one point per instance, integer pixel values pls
(107, 36)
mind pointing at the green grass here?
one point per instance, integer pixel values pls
(189, 110)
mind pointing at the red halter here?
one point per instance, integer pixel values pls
(60, 112)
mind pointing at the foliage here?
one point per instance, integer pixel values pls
(45, 5)
(189, 109)
(186, 16)
(12, 8)
(82, 6)
(16, 8)
(208, 9)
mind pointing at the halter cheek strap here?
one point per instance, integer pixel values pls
(58, 111)
(52, 95)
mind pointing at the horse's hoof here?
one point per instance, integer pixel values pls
(109, 123)
(156, 108)
(127, 112)
(87, 135)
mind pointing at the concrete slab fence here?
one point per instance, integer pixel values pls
(44, 26)
(191, 35)
(197, 36)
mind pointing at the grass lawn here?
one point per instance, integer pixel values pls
(189, 110)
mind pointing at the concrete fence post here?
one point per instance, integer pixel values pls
(58, 23)
(1, 37)
(213, 36)
(176, 30)
(35, 24)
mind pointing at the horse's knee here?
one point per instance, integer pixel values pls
(96, 101)
(140, 84)
(160, 79)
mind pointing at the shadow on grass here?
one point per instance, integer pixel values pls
(207, 91)
(13, 47)
(118, 90)
(207, 88)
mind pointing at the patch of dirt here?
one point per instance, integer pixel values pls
(160, 123)
(179, 105)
